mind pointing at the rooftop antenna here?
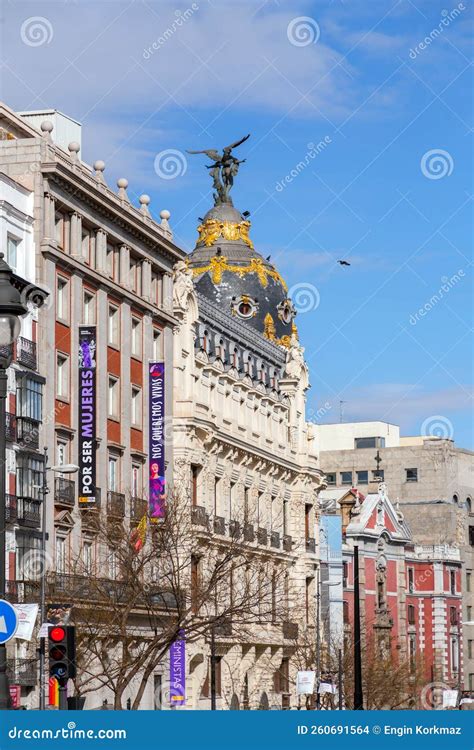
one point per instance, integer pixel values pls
(341, 410)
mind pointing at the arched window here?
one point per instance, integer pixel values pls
(469, 504)
(455, 499)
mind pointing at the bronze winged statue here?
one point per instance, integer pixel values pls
(224, 169)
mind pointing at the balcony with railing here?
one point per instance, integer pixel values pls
(249, 533)
(10, 427)
(290, 629)
(310, 544)
(219, 525)
(11, 508)
(275, 539)
(22, 592)
(199, 517)
(115, 504)
(262, 536)
(64, 492)
(22, 671)
(138, 509)
(29, 512)
(27, 432)
(26, 353)
(287, 543)
(235, 530)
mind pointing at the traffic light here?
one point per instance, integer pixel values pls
(62, 652)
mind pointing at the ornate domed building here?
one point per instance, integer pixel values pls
(229, 271)
(243, 449)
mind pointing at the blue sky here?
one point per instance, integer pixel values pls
(390, 190)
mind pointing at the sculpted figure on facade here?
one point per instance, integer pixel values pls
(295, 365)
(182, 284)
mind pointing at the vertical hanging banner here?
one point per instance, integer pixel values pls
(87, 408)
(178, 671)
(156, 449)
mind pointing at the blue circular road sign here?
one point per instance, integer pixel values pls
(8, 621)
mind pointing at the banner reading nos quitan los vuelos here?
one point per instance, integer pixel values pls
(87, 408)
(156, 450)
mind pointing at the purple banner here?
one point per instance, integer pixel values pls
(87, 407)
(156, 454)
(178, 671)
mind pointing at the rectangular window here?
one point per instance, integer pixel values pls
(345, 612)
(29, 398)
(113, 473)
(136, 338)
(345, 574)
(308, 588)
(453, 616)
(136, 480)
(452, 581)
(454, 655)
(113, 564)
(194, 484)
(411, 614)
(471, 682)
(307, 521)
(88, 314)
(87, 561)
(113, 397)
(469, 613)
(195, 584)
(62, 451)
(468, 581)
(62, 375)
(471, 536)
(12, 252)
(114, 326)
(362, 477)
(60, 553)
(469, 648)
(411, 475)
(157, 348)
(412, 649)
(346, 477)
(331, 478)
(411, 580)
(157, 690)
(136, 409)
(62, 299)
(29, 477)
(369, 442)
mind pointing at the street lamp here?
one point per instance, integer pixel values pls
(15, 293)
(11, 309)
(59, 469)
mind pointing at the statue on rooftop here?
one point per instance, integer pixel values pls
(223, 170)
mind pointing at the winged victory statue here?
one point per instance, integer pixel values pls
(224, 170)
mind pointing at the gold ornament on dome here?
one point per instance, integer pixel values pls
(211, 229)
(269, 331)
(218, 264)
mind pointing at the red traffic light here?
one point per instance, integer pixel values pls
(57, 634)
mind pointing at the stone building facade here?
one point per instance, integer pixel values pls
(105, 263)
(431, 478)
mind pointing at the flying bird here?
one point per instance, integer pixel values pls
(268, 257)
(343, 263)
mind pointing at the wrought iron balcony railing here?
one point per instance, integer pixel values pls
(11, 508)
(64, 492)
(22, 671)
(275, 539)
(26, 353)
(199, 516)
(115, 504)
(249, 533)
(219, 525)
(27, 432)
(262, 536)
(29, 512)
(138, 509)
(235, 530)
(287, 543)
(10, 427)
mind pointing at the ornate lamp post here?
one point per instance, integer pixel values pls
(15, 293)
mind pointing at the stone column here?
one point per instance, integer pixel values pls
(146, 280)
(101, 251)
(49, 227)
(125, 266)
(76, 236)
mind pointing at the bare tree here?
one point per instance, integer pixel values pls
(145, 589)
